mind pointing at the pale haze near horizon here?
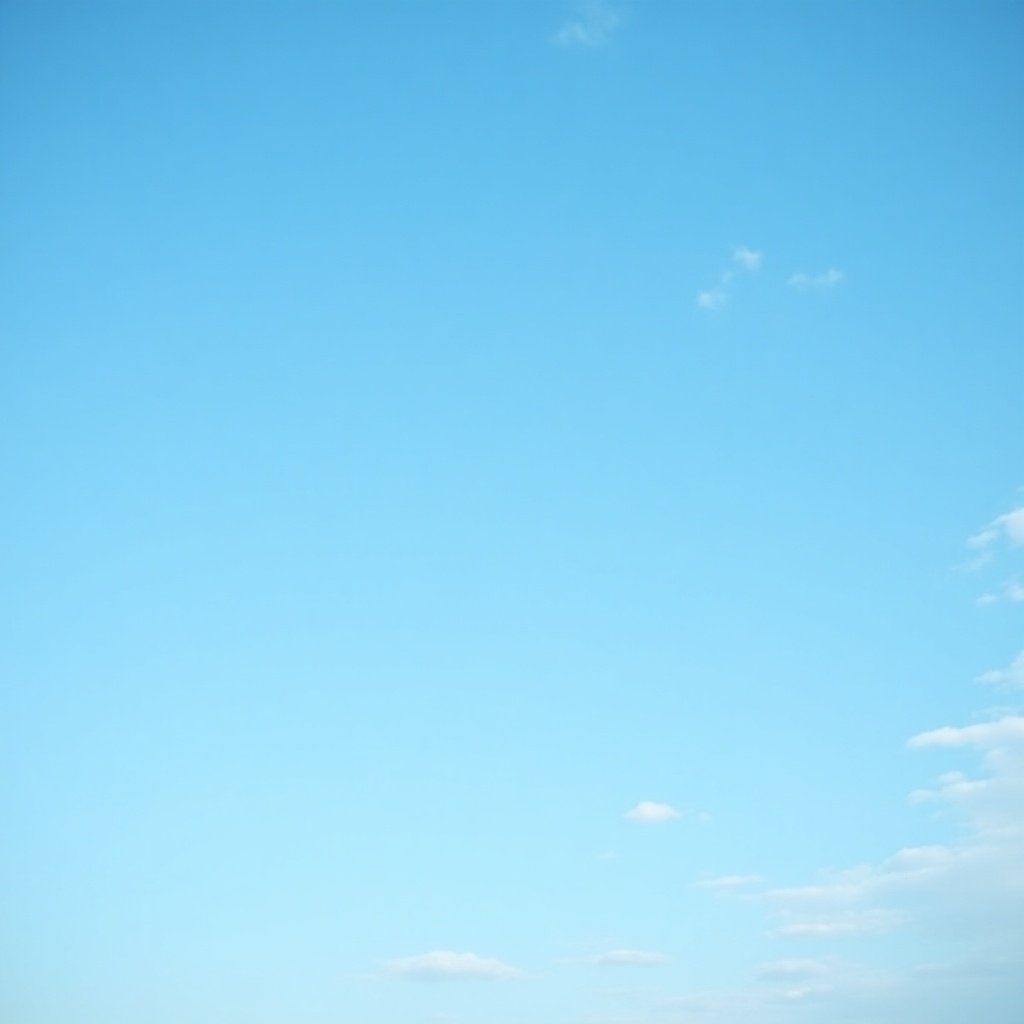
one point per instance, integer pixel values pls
(514, 512)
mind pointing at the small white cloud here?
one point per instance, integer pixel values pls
(920, 859)
(445, 964)
(728, 882)
(629, 958)
(829, 279)
(983, 538)
(984, 735)
(713, 298)
(1013, 524)
(647, 812)
(1011, 676)
(592, 27)
(748, 259)
(716, 297)
(1009, 526)
(1012, 590)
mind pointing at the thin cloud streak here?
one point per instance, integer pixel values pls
(1011, 677)
(748, 259)
(829, 279)
(1009, 526)
(442, 963)
(714, 298)
(593, 27)
(983, 735)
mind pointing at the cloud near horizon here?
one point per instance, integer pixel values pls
(970, 890)
(442, 963)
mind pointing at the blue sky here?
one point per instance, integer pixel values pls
(514, 512)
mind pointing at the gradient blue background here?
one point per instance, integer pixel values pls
(384, 518)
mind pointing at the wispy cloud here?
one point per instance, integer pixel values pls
(1011, 590)
(982, 736)
(648, 812)
(713, 298)
(445, 964)
(976, 880)
(1012, 676)
(965, 895)
(1004, 532)
(629, 958)
(828, 279)
(793, 969)
(593, 25)
(748, 259)
(833, 989)
(1009, 526)
(844, 925)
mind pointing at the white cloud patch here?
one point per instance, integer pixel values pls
(959, 903)
(648, 812)
(828, 279)
(593, 25)
(1005, 531)
(1008, 527)
(968, 893)
(748, 259)
(445, 964)
(989, 736)
(629, 958)
(714, 298)
(1011, 590)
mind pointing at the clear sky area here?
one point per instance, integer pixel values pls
(513, 512)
